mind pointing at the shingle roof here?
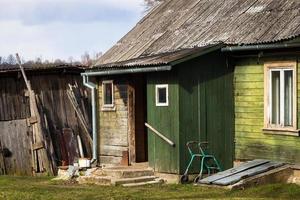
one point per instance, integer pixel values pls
(185, 24)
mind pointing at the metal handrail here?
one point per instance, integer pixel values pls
(160, 135)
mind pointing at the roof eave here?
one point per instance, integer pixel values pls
(199, 53)
(108, 72)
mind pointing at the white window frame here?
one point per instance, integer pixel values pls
(160, 86)
(282, 66)
(103, 95)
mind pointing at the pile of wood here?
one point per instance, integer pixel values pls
(75, 98)
(72, 146)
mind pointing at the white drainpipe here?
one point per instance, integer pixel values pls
(92, 86)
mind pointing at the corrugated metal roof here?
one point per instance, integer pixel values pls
(39, 67)
(160, 59)
(185, 24)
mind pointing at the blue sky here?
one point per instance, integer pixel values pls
(63, 28)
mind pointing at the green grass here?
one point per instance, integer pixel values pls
(24, 188)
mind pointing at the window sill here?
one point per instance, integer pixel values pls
(281, 131)
(162, 105)
(108, 109)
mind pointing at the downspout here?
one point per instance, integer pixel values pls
(92, 86)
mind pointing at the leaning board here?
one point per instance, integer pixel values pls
(247, 173)
(233, 171)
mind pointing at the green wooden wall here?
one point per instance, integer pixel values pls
(200, 108)
(206, 107)
(163, 157)
(251, 142)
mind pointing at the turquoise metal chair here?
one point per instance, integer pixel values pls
(208, 161)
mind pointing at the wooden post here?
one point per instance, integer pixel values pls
(41, 159)
(2, 161)
(131, 124)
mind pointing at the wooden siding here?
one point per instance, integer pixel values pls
(206, 108)
(200, 108)
(163, 157)
(13, 102)
(251, 142)
(113, 125)
(14, 110)
(15, 136)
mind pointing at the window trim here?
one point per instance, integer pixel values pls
(273, 66)
(112, 105)
(158, 86)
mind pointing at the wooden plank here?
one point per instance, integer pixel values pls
(232, 171)
(64, 160)
(111, 159)
(247, 173)
(131, 123)
(112, 150)
(2, 113)
(38, 146)
(2, 161)
(71, 143)
(14, 137)
(32, 120)
(83, 121)
(160, 135)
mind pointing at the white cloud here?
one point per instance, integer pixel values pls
(63, 28)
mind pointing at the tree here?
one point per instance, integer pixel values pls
(11, 60)
(70, 59)
(59, 61)
(86, 59)
(39, 60)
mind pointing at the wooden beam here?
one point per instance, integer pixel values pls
(160, 135)
(81, 118)
(38, 146)
(42, 161)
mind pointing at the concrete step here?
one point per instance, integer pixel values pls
(132, 180)
(153, 182)
(119, 173)
(98, 180)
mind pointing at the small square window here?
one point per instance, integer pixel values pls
(161, 94)
(108, 93)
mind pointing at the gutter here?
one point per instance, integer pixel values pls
(107, 72)
(260, 47)
(92, 86)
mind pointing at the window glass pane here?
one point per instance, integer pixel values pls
(162, 95)
(288, 97)
(108, 93)
(275, 98)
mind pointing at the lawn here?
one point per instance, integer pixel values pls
(24, 188)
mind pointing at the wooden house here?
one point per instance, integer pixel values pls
(215, 71)
(50, 83)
